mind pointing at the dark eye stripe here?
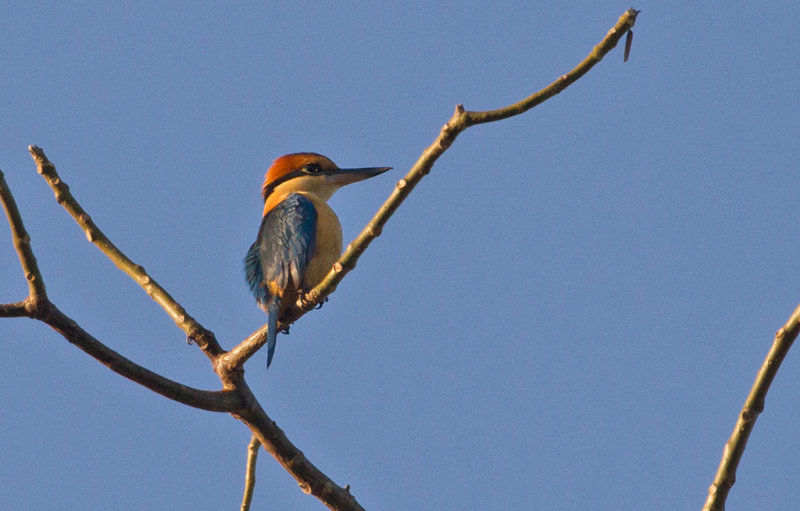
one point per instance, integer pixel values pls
(271, 187)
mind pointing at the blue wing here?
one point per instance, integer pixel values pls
(278, 259)
(283, 248)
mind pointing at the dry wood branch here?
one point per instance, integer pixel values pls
(38, 306)
(15, 310)
(215, 401)
(311, 480)
(753, 406)
(194, 330)
(236, 357)
(460, 121)
(22, 244)
(250, 473)
(624, 25)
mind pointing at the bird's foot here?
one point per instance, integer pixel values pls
(309, 304)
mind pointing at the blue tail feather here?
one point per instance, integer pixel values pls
(272, 333)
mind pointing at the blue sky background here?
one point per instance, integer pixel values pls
(566, 314)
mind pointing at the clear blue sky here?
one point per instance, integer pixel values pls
(566, 314)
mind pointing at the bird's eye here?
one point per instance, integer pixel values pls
(312, 168)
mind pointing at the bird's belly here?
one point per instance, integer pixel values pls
(328, 246)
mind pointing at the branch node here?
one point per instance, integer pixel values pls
(37, 306)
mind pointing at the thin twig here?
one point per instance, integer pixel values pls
(38, 306)
(310, 478)
(22, 244)
(214, 401)
(15, 310)
(250, 474)
(460, 121)
(753, 406)
(194, 330)
(624, 24)
(237, 356)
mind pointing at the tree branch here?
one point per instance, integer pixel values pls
(311, 479)
(753, 406)
(624, 25)
(38, 306)
(22, 244)
(460, 121)
(14, 310)
(214, 401)
(236, 357)
(194, 330)
(250, 474)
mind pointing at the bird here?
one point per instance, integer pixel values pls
(300, 237)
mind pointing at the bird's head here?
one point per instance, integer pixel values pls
(312, 173)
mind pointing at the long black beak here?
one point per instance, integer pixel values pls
(346, 176)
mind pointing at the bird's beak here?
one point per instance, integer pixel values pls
(346, 176)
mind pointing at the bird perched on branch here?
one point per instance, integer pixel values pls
(300, 237)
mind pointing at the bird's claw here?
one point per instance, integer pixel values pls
(309, 304)
(320, 304)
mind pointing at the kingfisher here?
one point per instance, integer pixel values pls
(300, 237)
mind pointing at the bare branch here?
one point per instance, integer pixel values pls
(237, 356)
(250, 475)
(460, 121)
(22, 244)
(38, 306)
(194, 330)
(624, 24)
(753, 406)
(15, 310)
(215, 401)
(311, 479)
